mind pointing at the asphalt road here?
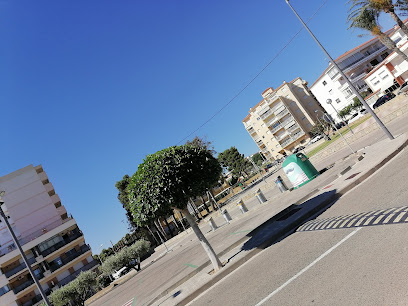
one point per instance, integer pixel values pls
(349, 266)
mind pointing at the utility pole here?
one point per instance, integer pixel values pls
(5, 219)
(353, 89)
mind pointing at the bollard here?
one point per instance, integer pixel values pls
(242, 206)
(281, 185)
(260, 196)
(226, 215)
(212, 224)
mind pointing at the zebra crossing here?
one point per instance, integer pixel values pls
(378, 217)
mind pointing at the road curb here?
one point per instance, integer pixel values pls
(289, 228)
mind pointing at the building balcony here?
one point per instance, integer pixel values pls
(35, 300)
(54, 266)
(277, 106)
(283, 135)
(373, 54)
(282, 113)
(286, 142)
(19, 268)
(266, 114)
(251, 130)
(293, 127)
(297, 134)
(77, 233)
(276, 128)
(71, 277)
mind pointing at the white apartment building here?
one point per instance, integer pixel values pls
(394, 69)
(357, 64)
(281, 121)
(53, 243)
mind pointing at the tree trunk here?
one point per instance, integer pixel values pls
(399, 22)
(390, 44)
(168, 226)
(204, 242)
(154, 237)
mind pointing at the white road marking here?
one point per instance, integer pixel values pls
(399, 217)
(309, 266)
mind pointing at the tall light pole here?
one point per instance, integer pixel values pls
(5, 219)
(329, 101)
(327, 137)
(353, 89)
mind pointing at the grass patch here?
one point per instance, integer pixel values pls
(343, 130)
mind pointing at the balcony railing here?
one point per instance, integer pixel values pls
(71, 277)
(24, 285)
(297, 135)
(293, 128)
(282, 113)
(38, 298)
(281, 136)
(54, 266)
(20, 267)
(60, 244)
(266, 114)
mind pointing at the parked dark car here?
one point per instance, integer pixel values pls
(298, 149)
(383, 99)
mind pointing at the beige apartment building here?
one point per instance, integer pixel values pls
(281, 121)
(53, 243)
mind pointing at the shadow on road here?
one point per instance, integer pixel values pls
(286, 222)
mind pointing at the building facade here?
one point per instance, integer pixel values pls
(357, 64)
(52, 242)
(282, 120)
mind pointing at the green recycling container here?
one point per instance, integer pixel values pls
(299, 170)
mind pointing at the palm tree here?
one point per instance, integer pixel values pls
(386, 6)
(366, 19)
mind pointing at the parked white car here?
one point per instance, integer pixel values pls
(316, 138)
(118, 274)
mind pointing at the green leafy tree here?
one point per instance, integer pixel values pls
(257, 158)
(123, 198)
(75, 292)
(168, 180)
(234, 161)
(202, 143)
(366, 18)
(125, 257)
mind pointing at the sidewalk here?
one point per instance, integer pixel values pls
(320, 194)
(178, 276)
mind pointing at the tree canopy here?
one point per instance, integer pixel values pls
(169, 178)
(234, 161)
(125, 257)
(77, 291)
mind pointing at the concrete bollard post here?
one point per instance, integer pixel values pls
(260, 196)
(281, 185)
(212, 224)
(242, 206)
(226, 215)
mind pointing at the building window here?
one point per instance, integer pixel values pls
(338, 101)
(384, 55)
(383, 75)
(4, 290)
(347, 92)
(324, 83)
(303, 118)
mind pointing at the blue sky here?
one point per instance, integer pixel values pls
(89, 88)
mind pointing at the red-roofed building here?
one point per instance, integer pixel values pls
(356, 64)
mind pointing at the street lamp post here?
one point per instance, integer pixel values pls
(329, 120)
(327, 137)
(353, 89)
(5, 219)
(329, 101)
